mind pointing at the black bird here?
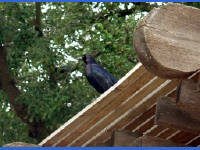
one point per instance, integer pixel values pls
(97, 76)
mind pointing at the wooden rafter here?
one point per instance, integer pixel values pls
(130, 104)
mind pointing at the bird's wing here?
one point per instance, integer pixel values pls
(99, 78)
(108, 75)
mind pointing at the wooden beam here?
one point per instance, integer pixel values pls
(137, 122)
(149, 141)
(195, 142)
(124, 138)
(167, 41)
(77, 125)
(108, 143)
(156, 130)
(189, 97)
(148, 124)
(183, 137)
(114, 110)
(168, 114)
(167, 133)
(138, 111)
(117, 113)
(20, 144)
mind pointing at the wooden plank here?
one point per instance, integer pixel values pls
(182, 137)
(136, 122)
(189, 95)
(172, 133)
(102, 145)
(162, 90)
(142, 129)
(167, 41)
(123, 138)
(119, 111)
(148, 141)
(106, 110)
(104, 137)
(169, 115)
(145, 105)
(20, 144)
(188, 143)
(108, 143)
(167, 133)
(148, 124)
(195, 142)
(131, 78)
(156, 130)
(123, 120)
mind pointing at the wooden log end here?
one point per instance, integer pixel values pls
(169, 115)
(124, 138)
(189, 96)
(149, 141)
(163, 43)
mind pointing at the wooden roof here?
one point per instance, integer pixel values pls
(129, 104)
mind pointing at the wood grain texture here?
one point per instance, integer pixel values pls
(148, 141)
(156, 130)
(123, 138)
(135, 112)
(108, 143)
(147, 114)
(167, 133)
(120, 110)
(113, 110)
(183, 137)
(20, 144)
(167, 41)
(88, 113)
(189, 97)
(195, 142)
(168, 114)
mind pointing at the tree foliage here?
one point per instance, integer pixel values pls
(42, 81)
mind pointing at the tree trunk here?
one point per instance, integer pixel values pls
(37, 129)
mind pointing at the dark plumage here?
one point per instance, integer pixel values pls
(97, 76)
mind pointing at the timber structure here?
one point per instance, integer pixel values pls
(144, 108)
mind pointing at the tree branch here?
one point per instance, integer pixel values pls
(132, 59)
(144, 6)
(9, 87)
(38, 18)
(68, 70)
(13, 93)
(52, 76)
(37, 128)
(122, 13)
